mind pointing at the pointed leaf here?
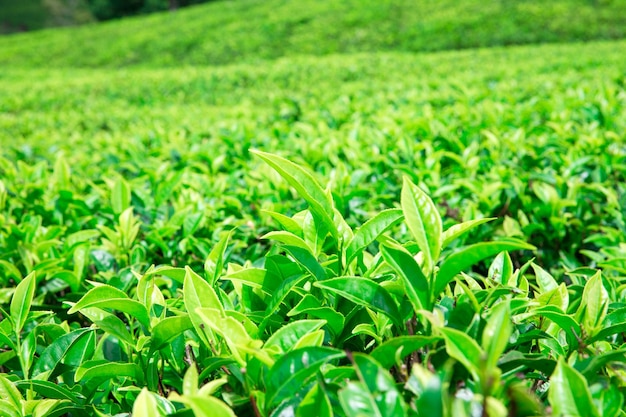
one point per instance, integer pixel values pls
(458, 230)
(423, 220)
(370, 230)
(569, 393)
(364, 292)
(21, 301)
(106, 296)
(306, 186)
(464, 349)
(415, 283)
(168, 329)
(287, 336)
(470, 255)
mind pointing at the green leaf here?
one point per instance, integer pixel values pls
(287, 238)
(371, 230)
(374, 395)
(234, 333)
(400, 346)
(54, 354)
(9, 410)
(464, 349)
(287, 223)
(120, 196)
(311, 306)
(594, 302)
(293, 369)
(415, 283)
(315, 403)
(48, 389)
(198, 293)
(21, 301)
(496, 333)
(10, 393)
(105, 370)
(501, 268)
(106, 296)
(215, 261)
(168, 329)
(458, 230)
(364, 292)
(190, 381)
(423, 220)
(287, 336)
(208, 406)
(146, 405)
(565, 322)
(306, 186)
(109, 323)
(569, 393)
(305, 258)
(47, 408)
(470, 255)
(545, 281)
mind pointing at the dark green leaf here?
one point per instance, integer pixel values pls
(364, 292)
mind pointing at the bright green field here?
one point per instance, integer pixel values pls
(225, 32)
(363, 299)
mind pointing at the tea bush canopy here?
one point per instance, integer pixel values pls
(361, 228)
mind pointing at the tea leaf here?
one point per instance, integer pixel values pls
(364, 292)
(424, 222)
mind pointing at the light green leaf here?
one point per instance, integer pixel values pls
(569, 393)
(424, 222)
(315, 403)
(470, 255)
(105, 370)
(208, 407)
(10, 393)
(21, 301)
(234, 333)
(190, 381)
(545, 281)
(496, 333)
(120, 196)
(287, 238)
(287, 336)
(458, 230)
(168, 329)
(215, 261)
(594, 303)
(106, 296)
(198, 293)
(370, 230)
(307, 187)
(464, 349)
(146, 405)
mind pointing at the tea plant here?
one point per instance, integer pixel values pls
(330, 320)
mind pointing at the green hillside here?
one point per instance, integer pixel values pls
(250, 30)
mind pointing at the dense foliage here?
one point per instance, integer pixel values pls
(378, 234)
